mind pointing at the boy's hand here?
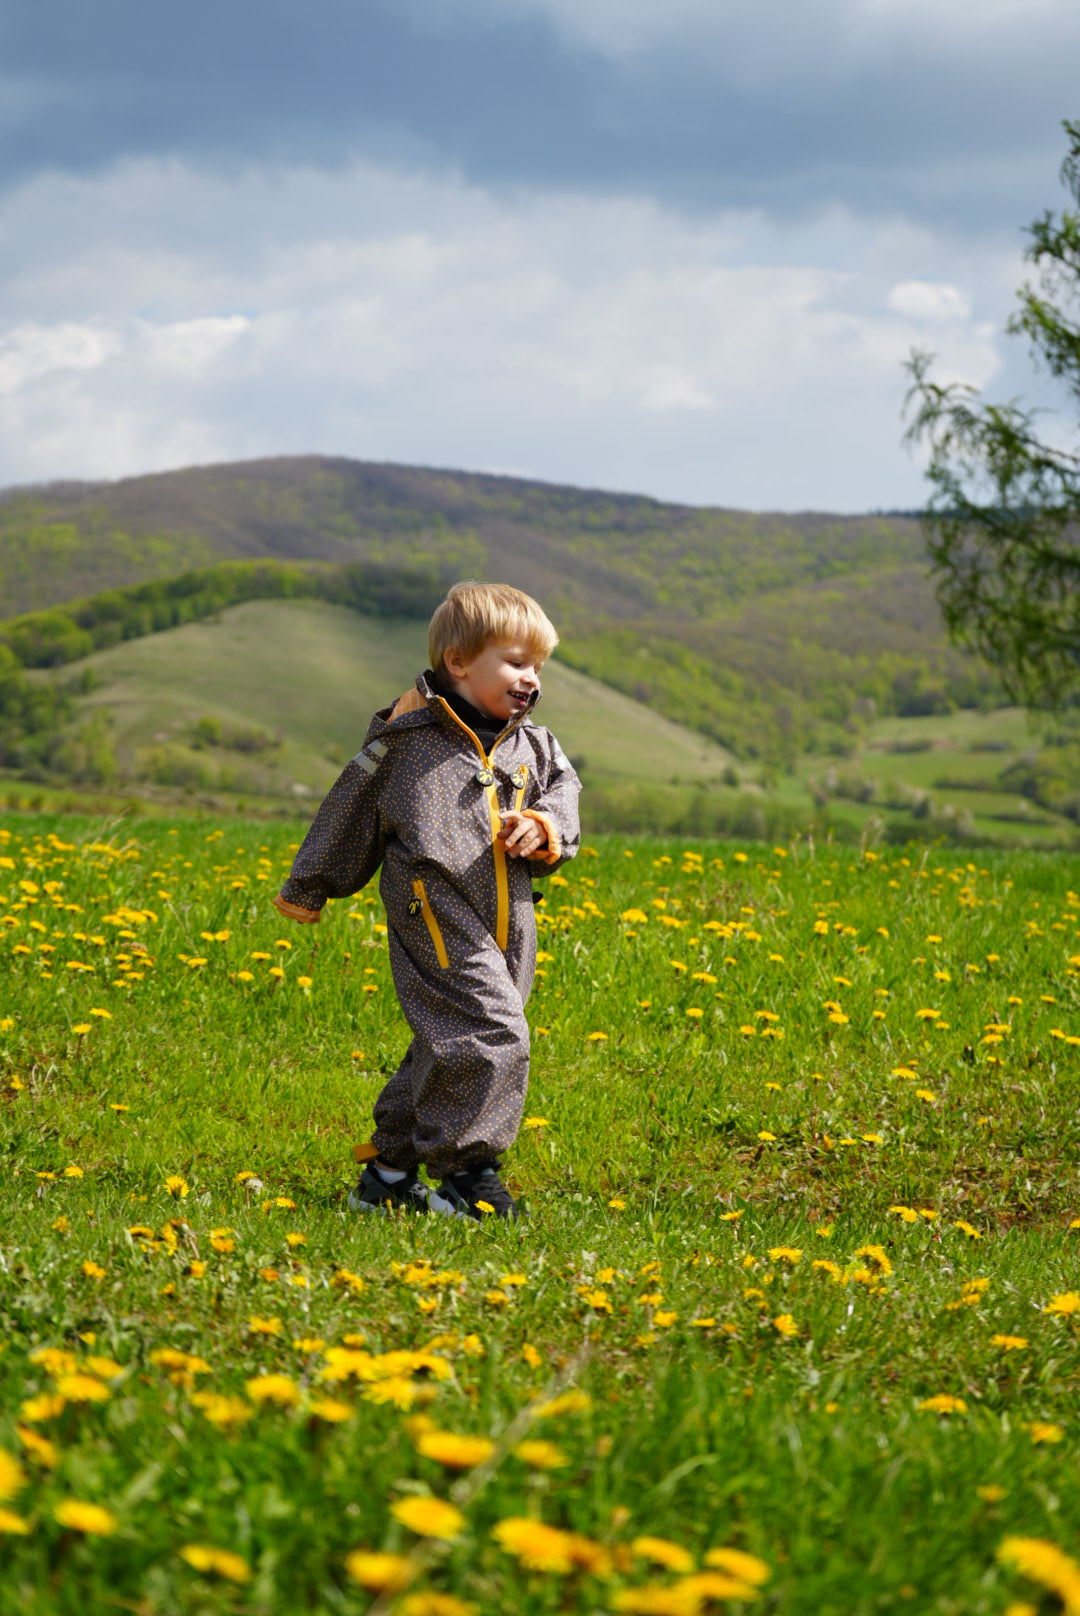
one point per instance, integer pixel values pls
(522, 837)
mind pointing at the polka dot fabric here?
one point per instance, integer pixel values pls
(422, 800)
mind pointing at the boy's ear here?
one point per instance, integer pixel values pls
(454, 662)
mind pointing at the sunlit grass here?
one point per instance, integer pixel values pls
(800, 1167)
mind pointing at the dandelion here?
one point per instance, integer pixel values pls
(221, 1562)
(379, 1573)
(788, 1254)
(672, 1556)
(617, 1204)
(536, 1122)
(1046, 1564)
(536, 1546)
(331, 1410)
(429, 1517)
(430, 1603)
(968, 1229)
(12, 1476)
(596, 1038)
(1010, 1343)
(785, 1325)
(13, 1525)
(747, 1567)
(944, 1403)
(1045, 1431)
(453, 1451)
(1067, 1303)
(177, 1186)
(91, 1519)
(279, 1389)
(258, 1326)
(82, 1389)
(93, 1270)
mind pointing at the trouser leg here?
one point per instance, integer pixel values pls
(466, 1072)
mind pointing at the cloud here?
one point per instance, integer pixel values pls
(164, 313)
(946, 110)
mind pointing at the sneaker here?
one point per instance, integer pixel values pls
(476, 1193)
(374, 1194)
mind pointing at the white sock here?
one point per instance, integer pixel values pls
(389, 1175)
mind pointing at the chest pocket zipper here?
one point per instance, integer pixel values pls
(520, 779)
(420, 904)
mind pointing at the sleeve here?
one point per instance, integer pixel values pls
(556, 808)
(344, 845)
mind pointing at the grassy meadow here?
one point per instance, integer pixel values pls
(791, 1324)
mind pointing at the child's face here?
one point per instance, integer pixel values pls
(500, 680)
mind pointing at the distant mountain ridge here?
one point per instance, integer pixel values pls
(765, 632)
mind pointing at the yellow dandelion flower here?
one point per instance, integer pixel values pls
(331, 1410)
(785, 1325)
(175, 1185)
(747, 1567)
(1046, 1564)
(221, 1562)
(82, 1389)
(279, 1389)
(12, 1476)
(541, 1455)
(379, 1573)
(788, 1254)
(944, 1403)
(430, 1603)
(1045, 1431)
(672, 1556)
(596, 1038)
(454, 1451)
(1010, 1343)
(91, 1519)
(429, 1517)
(13, 1525)
(536, 1546)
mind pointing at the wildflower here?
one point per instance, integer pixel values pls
(222, 1411)
(747, 1567)
(907, 1214)
(81, 1028)
(789, 1254)
(279, 1389)
(91, 1519)
(968, 1229)
(731, 1217)
(672, 1556)
(39, 1447)
(429, 1517)
(877, 1256)
(596, 1038)
(541, 1455)
(73, 1171)
(331, 1410)
(1044, 1563)
(572, 1402)
(177, 1186)
(664, 1320)
(48, 1406)
(785, 1325)
(93, 1270)
(531, 1356)
(1010, 1343)
(1045, 1431)
(204, 1557)
(617, 1204)
(538, 1547)
(944, 1403)
(453, 1451)
(12, 1476)
(536, 1122)
(379, 1573)
(82, 1389)
(259, 1326)
(430, 1603)
(991, 1494)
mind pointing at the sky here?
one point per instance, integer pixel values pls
(677, 247)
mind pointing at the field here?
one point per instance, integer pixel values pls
(791, 1325)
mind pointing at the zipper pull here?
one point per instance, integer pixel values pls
(485, 777)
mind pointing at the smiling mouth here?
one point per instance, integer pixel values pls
(518, 697)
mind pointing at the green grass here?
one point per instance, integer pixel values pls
(669, 1163)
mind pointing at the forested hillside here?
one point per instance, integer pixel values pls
(773, 635)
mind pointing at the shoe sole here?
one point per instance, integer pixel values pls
(356, 1203)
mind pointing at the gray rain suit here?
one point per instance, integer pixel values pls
(423, 799)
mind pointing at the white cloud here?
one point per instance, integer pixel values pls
(386, 315)
(935, 302)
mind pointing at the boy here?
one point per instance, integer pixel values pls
(462, 799)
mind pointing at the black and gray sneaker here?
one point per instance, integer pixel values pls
(477, 1193)
(374, 1194)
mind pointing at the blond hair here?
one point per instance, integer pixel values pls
(474, 614)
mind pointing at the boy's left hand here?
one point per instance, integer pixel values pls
(522, 837)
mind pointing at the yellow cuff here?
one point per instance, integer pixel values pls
(293, 911)
(552, 853)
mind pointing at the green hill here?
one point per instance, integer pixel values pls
(271, 698)
(769, 634)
